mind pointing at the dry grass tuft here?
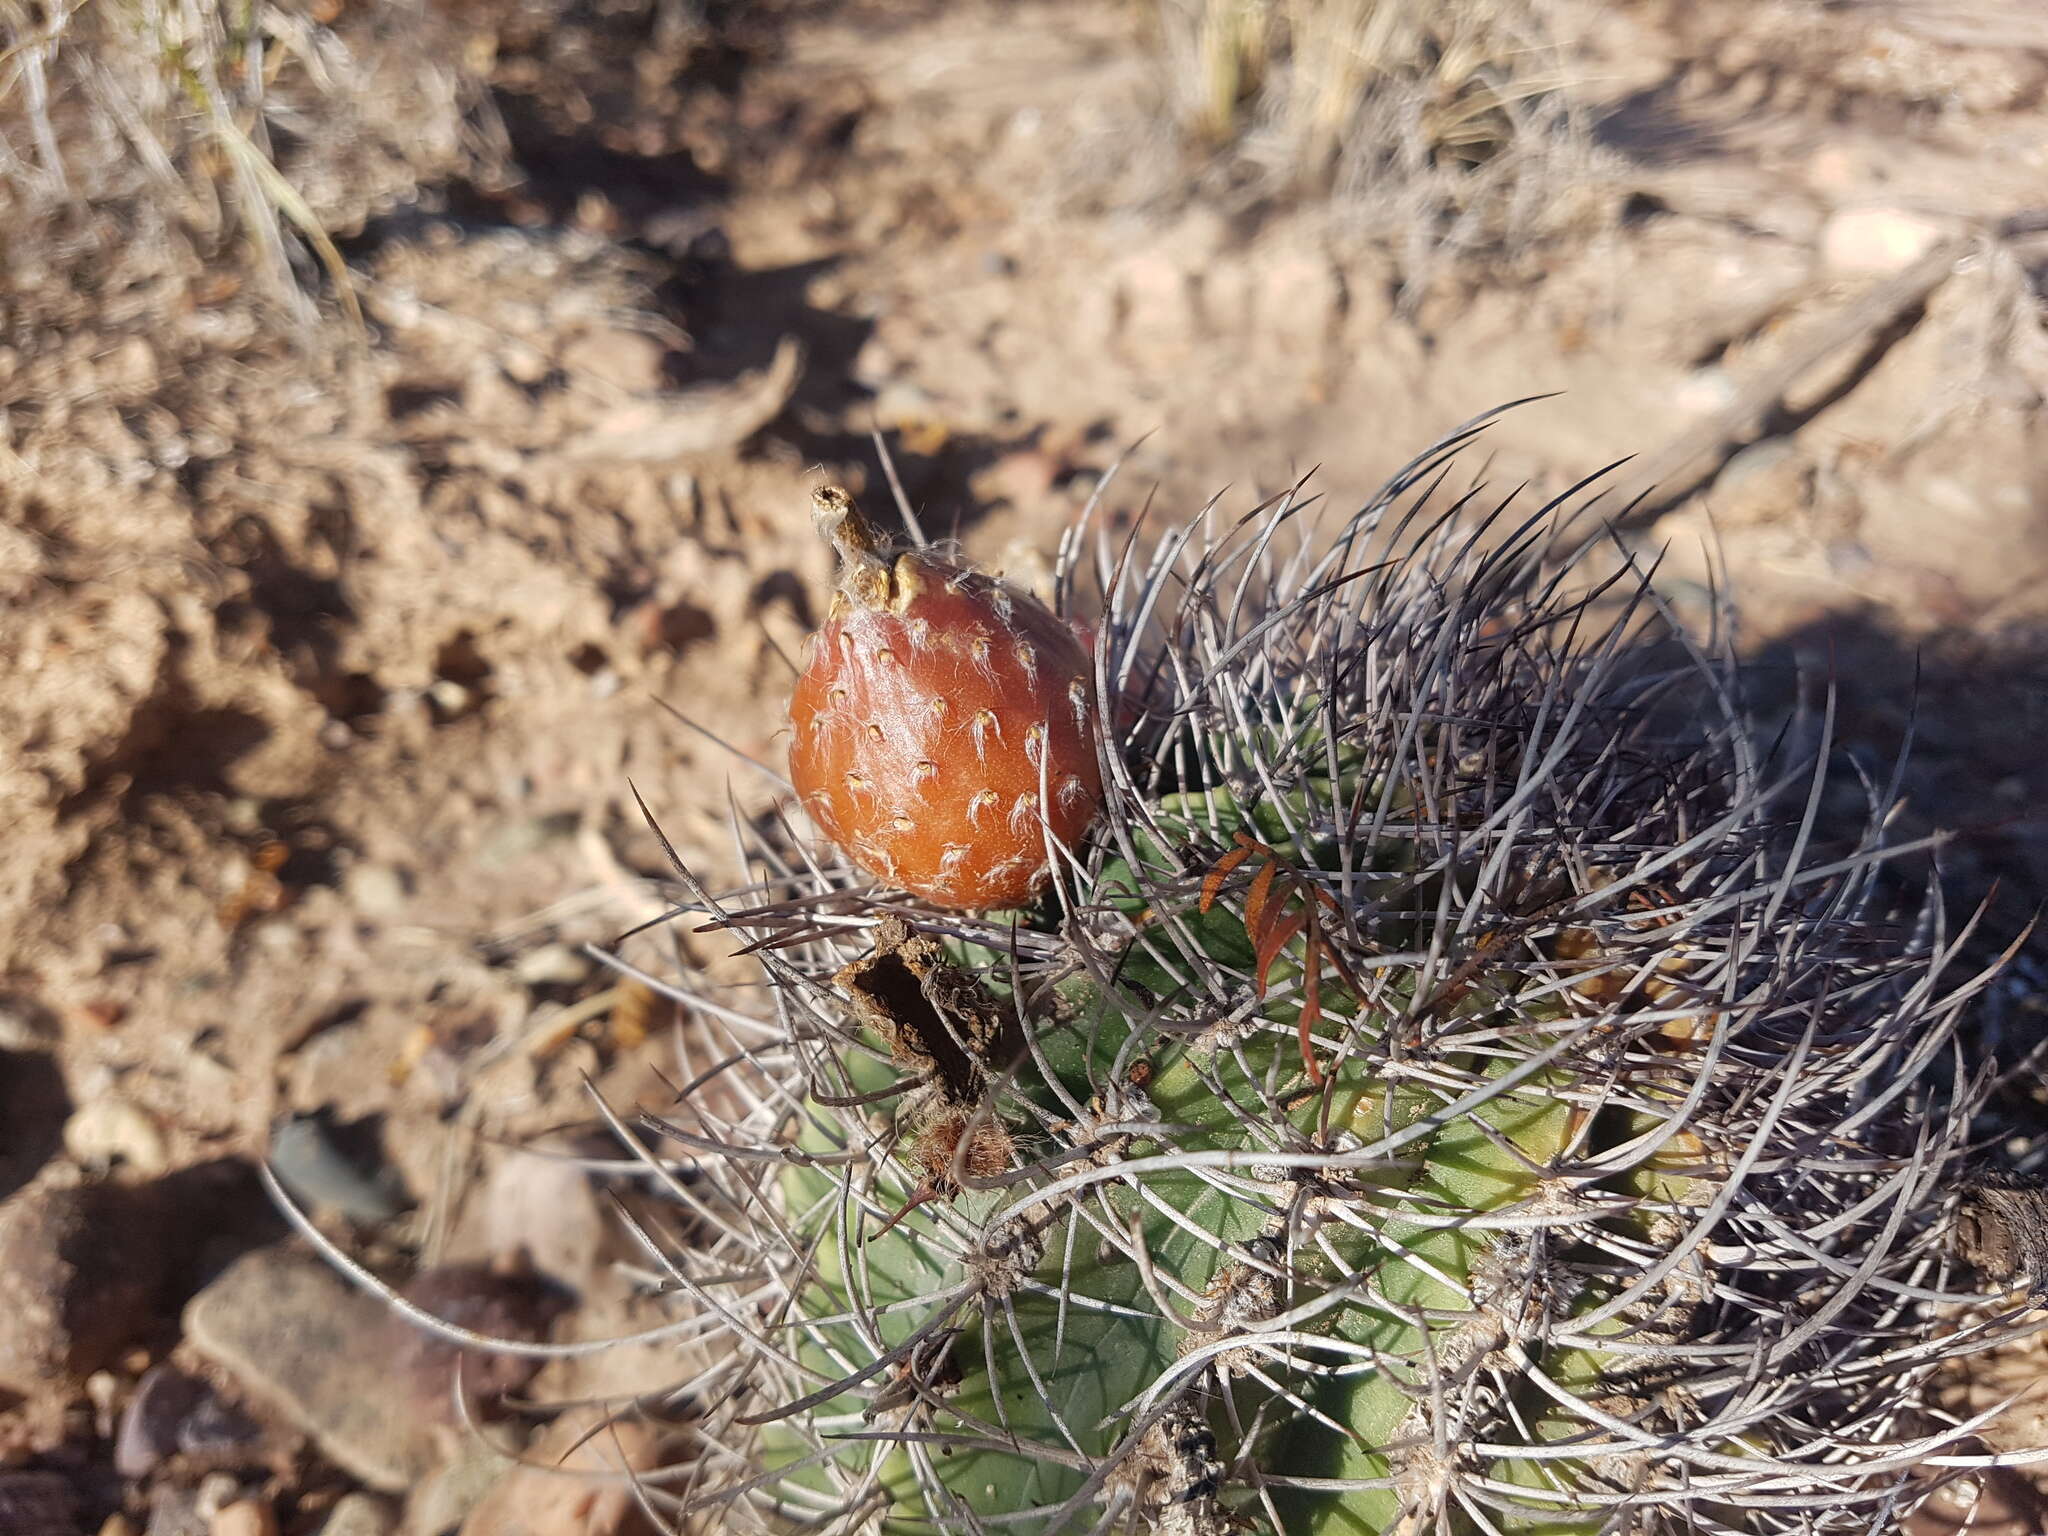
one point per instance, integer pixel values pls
(248, 133)
(1445, 123)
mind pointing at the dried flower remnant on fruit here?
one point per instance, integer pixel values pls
(943, 728)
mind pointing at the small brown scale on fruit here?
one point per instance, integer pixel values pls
(943, 723)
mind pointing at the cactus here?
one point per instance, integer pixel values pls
(1451, 1089)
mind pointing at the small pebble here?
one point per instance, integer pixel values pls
(111, 1131)
(102, 1014)
(376, 890)
(249, 1517)
(551, 965)
(359, 1515)
(545, 1498)
(1704, 391)
(101, 1389)
(1995, 1502)
(214, 1428)
(314, 1169)
(301, 1341)
(149, 1424)
(170, 1413)
(25, 1027)
(451, 698)
(217, 1491)
(524, 363)
(1768, 483)
(318, 1064)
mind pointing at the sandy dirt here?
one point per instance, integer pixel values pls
(331, 662)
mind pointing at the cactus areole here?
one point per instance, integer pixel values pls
(1440, 1094)
(941, 732)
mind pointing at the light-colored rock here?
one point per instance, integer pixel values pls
(217, 1490)
(297, 1337)
(377, 891)
(1703, 391)
(1876, 242)
(25, 1027)
(452, 699)
(111, 1131)
(551, 965)
(609, 1307)
(1025, 476)
(360, 1514)
(245, 1517)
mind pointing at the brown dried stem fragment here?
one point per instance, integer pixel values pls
(952, 1032)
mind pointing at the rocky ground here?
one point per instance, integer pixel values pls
(332, 652)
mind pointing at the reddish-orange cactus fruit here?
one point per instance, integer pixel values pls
(944, 723)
